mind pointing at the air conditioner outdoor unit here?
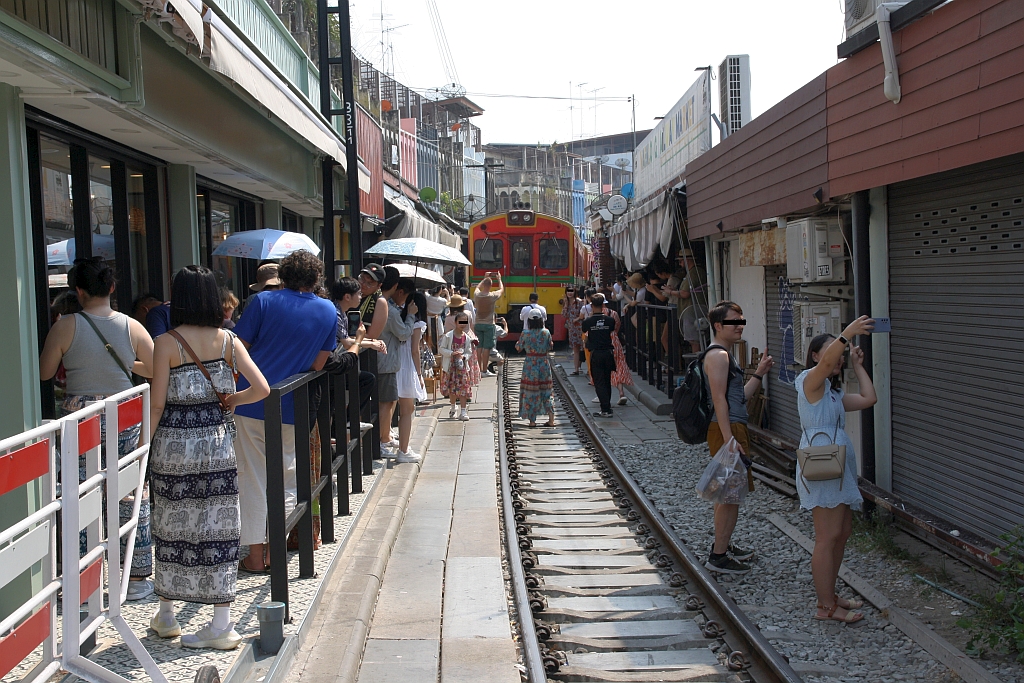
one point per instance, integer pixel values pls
(814, 250)
(814, 318)
(861, 13)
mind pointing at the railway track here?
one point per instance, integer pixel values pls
(604, 589)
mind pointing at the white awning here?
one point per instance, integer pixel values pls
(192, 18)
(232, 58)
(646, 223)
(415, 224)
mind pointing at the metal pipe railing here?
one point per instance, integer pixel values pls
(642, 343)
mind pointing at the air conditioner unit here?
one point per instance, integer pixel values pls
(861, 13)
(814, 317)
(814, 250)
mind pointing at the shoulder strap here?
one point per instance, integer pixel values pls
(107, 346)
(202, 368)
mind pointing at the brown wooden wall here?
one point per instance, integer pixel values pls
(962, 77)
(771, 166)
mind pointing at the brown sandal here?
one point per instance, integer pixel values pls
(848, 618)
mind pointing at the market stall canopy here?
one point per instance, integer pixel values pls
(646, 222)
(415, 224)
(264, 244)
(418, 250)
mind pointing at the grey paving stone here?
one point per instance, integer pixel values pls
(409, 661)
(473, 660)
(409, 603)
(474, 599)
(474, 533)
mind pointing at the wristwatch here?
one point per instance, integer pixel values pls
(846, 342)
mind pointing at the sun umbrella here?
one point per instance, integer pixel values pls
(63, 253)
(419, 250)
(264, 244)
(423, 275)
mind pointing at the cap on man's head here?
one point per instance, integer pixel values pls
(266, 276)
(535, 315)
(374, 270)
(597, 299)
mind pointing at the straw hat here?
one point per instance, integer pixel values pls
(266, 276)
(456, 301)
(636, 280)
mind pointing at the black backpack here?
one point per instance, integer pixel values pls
(691, 402)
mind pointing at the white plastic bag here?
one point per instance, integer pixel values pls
(725, 478)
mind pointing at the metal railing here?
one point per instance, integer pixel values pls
(645, 353)
(333, 398)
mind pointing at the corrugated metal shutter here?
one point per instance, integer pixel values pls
(957, 304)
(783, 417)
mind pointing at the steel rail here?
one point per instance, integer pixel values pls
(531, 645)
(769, 664)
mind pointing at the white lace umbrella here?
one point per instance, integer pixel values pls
(63, 253)
(422, 275)
(418, 250)
(264, 244)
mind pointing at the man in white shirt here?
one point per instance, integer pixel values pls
(532, 306)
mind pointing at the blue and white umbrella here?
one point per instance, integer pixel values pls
(419, 250)
(264, 244)
(63, 253)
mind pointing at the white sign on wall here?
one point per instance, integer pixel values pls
(682, 136)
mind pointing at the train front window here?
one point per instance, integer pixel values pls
(488, 254)
(522, 259)
(554, 254)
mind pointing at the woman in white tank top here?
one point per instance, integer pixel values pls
(93, 374)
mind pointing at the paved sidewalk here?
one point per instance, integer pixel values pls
(441, 611)
(633, 423)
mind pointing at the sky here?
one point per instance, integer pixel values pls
(561, 48)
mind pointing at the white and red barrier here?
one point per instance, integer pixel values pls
(32, 456)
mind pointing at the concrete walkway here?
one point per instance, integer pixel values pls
(633, 423)
(441, 611)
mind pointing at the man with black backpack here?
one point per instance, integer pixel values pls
(729, 395)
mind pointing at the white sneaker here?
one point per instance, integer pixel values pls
(595, 400)
(487, 373)
(451, 411)
(207, 637)
(464, 416)
(409, 456)
(622, 400)
(390, 444)
(165, 628)
(387, 451)
(137, 590)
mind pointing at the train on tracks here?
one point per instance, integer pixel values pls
(534, 252)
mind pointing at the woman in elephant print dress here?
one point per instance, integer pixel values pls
(195, 518)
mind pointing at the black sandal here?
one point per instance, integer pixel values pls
(242, 568)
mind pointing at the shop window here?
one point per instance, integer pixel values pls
(138, 246)
(488, 254)
(58, 215)
(554, 254)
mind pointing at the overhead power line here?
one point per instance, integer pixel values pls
(533, 97)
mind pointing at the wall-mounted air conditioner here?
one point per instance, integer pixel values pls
(861, 13)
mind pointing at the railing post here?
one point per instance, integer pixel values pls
(353, 412)
(276, 523)
(341, 443)
(371, 442)
(303, 474)
(325, 499)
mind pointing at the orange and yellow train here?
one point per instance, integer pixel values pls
(534, 253)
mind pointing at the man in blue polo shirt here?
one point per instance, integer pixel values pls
(287, 331)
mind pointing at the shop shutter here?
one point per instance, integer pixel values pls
(783, 417)
(956, 287)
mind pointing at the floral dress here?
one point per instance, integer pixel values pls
(195, 488)
(621, 376)
(457, 383)
(535, 386)
(573, 325)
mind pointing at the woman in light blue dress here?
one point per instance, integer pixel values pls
(823, 406)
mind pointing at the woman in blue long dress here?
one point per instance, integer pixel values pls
(195, 515)
(823, 406)
(535, 385)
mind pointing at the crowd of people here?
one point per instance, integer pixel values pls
(211, 359)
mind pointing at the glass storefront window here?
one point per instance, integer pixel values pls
(58, 214)
(101, 210)
(138, 247)
(223, 222)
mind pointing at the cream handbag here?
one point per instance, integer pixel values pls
(822, 463)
